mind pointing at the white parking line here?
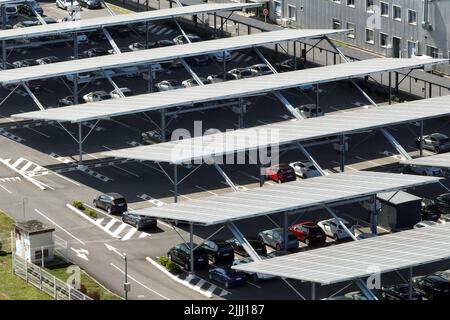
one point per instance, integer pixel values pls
(110, 224)
(181, 195)
(129, 234)
(369, 161)
(143, 285)
(119, 229)
(38, 212)
(203, 189)
(5, 189)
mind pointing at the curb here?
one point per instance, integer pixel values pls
(177, 279)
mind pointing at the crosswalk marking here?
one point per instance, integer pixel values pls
(146, 197)
(25, 167)
(119, 229)
(10, 179)
(99, 221)
(110, 224)
(61, 159)
(11, 136)
(129, 234)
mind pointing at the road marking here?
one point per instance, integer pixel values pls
(119, 229)
(81, 253)
(148, 198)
(37, 211)
(110, 224)
(130, 234)
(143, 285)
(209, 191)
(5, 189)
(255, 285)
(369, 161)
(181, 195)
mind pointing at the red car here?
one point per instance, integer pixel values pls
(281, 173)
(308, 232)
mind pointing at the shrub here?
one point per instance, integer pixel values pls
(172, 267)
(94, 294)
(163, 260)
(90, 212)
(83, 288)
(78, 204)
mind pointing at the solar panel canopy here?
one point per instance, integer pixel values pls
(162, 54)
(224, 90)
(359, 259)
(438, 160)
(282, 197)
(119, 19)
(205, 148)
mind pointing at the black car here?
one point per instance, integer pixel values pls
(289, 65)
(181, 254)
(97, 35)
(139, 221)
(90, 4)
(219, 250)
(111, 202)
(400, 292)
(257, 245)
(66, 101)
(443, 203)
(96, 52)
(154, 136)
(119, 31)
(433, 287)
(47, 60)
(26, 8)
(430, 210)
(24, 63)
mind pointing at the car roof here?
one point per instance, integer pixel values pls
(114, 195)
(438, 135)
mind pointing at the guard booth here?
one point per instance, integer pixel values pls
(34, 241)
(398, 210)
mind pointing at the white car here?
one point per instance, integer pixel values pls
(424, 224)
(65, 4)
(310, 110)
(96, 96)
(125, 91)
(192, 83)
(426, 171)
(84, 77)
(305, 169)
(242, 73)
(137, 46)
(255, 276)
(260, 69)
(220, 55)
(333, 229)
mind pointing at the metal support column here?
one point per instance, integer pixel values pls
(163, 125)
(285, 231)
(224, 66)
(310, 158)
(395, 144)
(215, 25)
(3, 15)
(313, 291)
(410, 283)
(421, 139)
(150, 78)
(317, 98)
(374, 215)
(262, 175)
(4, 57)
(366, 291)
(333, 214)
(191, 247)
(80, 144)
(241, 114)
(396, 83)
(244, 243)
(111, 41)
(342, 153)
(75, 76)
(175, 183)
(390, 88)
(32, 96)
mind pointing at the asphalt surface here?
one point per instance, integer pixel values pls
(47, 152)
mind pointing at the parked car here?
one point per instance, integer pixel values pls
(400, 292)
(83, 77)
(260, 69)
(96, 96)
(91, 4)
(310, 111)
(219, 251)
(8, 65)
(424, 224)
(47, 60)
(436, 142)
(139, 221)
(433, 287)
(430, 210)
(289, 65)
(220, 77)
(305, 169)
(333, 228)
(358, 295)
(111, 203)
(137, 46)
(256, 244)
(167, 85)
(443, 202)
(182, 40)
(229, 277)
(116, 95)
(24, 63)
(11, 11)
(65, 4)
(445, 218)
(308, 232)
(27, 8)
(253, 275)
(192, 83)
(280, 173)
(275, 238)
(34, 84)
(96, 52)
(163, 43)
(424, 171)
(219, 56)
(242, 73)
(101, 74)
(119, 30)
(199, 60)
(97, 35)
(154, 136)
(277, 253)
(181, 254)
(26, 24)
(66, 101)
(131, 71)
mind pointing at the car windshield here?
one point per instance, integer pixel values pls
(119, 200)
(105, 96)
(314, 229)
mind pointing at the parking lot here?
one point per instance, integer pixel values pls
(46, 153)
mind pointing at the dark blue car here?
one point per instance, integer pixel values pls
(227, 276)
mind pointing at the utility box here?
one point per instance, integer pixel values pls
(34, 241)
(398, 210)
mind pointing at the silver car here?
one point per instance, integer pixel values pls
(436, 142)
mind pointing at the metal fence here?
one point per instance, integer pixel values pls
(45, 281)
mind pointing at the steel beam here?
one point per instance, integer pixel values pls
(31, 94)
(38, 16)
(310, 158)
(243, 241)
(365, 290)
(342, 153)
(395, 144)
(111, 41)
(225, 176)
(175, 183)
(340, 222)
(191, 72)
(80, 144)
(374, 215)
(191, 247)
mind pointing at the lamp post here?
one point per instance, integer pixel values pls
(126, 284)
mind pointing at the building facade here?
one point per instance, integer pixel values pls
(393, 28)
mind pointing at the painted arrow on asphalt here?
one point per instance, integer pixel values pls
(81, 253)
(111, 248)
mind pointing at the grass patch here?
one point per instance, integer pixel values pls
(87, 211)
(171, 266)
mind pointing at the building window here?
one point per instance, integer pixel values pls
(336, 24)
(277, 8)
(351, 33)
(412, 17)
(38, 254)
(369, 36)
(384, 8)
(432, 52)
(292, 12)
(397, 14)
(369, 6)
(384, 40)
(351, 3)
